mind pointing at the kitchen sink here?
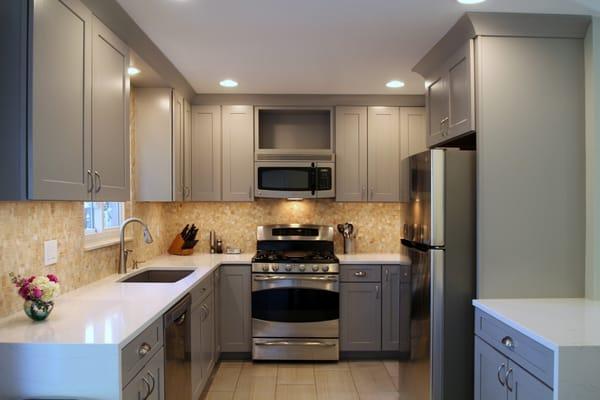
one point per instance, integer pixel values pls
(158, 276)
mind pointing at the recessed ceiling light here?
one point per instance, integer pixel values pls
(470, 1)
(133, 71)
(228, 83)
(395, 84)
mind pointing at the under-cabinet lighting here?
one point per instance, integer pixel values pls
(470, 1)
(229, 83)
(133, 71)
(395, 84)
(295, 198)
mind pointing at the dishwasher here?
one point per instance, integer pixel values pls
(178, 375)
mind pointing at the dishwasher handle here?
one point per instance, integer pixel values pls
(178, 313)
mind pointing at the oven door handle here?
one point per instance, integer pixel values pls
(262, 278)
(286, 343)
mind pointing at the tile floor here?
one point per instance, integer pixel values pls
(352, 380)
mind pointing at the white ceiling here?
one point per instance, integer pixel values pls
(310, 46)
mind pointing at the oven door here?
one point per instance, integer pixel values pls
(295, 305)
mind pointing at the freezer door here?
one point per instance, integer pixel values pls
(425, 220)
(437, 324)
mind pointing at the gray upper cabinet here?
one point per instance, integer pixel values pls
(412, 141)
(159, 169)
(110, 115)
(384, 154)
(360, 316)
(60, 134)
(235, 308)
(450, 97)
(206, 153)
(351, 153)
(238, 153)
(178, 142)
(187, 151)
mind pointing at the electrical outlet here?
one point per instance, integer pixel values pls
(50, 252)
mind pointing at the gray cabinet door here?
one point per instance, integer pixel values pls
(235, 302)
(490, 372)
(413, 140)
(60, 103)
(153, 147)
(217, 307)
(149, 383)
(384, 154)
(196, 345)
(522, 385)
(436, 98)
(360, 317)
(178, 152)
(187, 148)
(206, 153)
(110, 115)
(390, 308)
(461, 91)
(351, 153)
(238, 153)
(208, 335)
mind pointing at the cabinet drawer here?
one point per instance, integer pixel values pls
(360, 273)
(531, 355)
(149, 382)
(203, 289)
(141, 349)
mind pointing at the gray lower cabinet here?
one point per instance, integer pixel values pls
(395, 308)
(149, 383)
(202, 335)
(497, 377)
(235, 308)
(360, 316)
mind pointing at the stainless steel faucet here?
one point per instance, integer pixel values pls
(123, 252)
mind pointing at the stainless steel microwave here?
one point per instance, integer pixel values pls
(295, 179)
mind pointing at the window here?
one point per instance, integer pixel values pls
(101, 223)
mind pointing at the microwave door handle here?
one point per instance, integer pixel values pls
(313, 179)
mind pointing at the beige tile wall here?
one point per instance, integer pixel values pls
(24, 226)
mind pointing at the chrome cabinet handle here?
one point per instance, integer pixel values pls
(180, 320)
(286, 343)
(387, 274)
(499, 374)
(90, 184)
(153, 382)
(360, 274)
(508, 342)
(506, 379)
(148, 389)
(186, 192)
(99, 186)
(377, 291)
(144, 349)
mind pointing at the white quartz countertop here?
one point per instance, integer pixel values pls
(555, 323)
(108, 312)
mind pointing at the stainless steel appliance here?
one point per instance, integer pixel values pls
(178, 376)
(440, 239)
(295, 294)
(295, 179)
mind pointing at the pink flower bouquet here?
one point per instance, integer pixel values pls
(38, 292)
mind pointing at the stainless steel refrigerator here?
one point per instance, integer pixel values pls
(439, 237)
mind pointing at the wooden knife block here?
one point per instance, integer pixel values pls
(175, 247)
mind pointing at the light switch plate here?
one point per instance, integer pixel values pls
(50, 252)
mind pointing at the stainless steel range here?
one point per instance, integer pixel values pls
(295, 294)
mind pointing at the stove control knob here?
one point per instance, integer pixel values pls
(265, 268)
(288, 267)
(315, 268)
(275, 267)
(325, 268)
(301, 267)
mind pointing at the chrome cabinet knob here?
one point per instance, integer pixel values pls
(144, 349)
(508, 342)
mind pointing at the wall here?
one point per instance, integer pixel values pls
(378, 224)
(592, 85)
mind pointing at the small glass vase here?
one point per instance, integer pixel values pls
(38, 310)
